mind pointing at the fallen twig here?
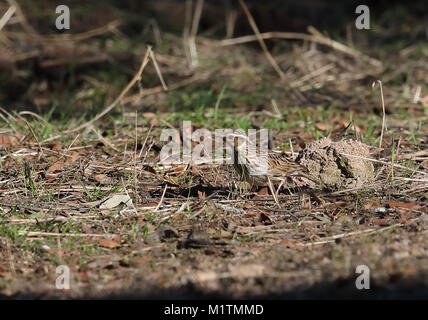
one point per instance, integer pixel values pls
(119, 98)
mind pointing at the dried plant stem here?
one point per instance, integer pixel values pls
(74, 140)
(302, 36)
(145, 141)
(231, 16)
(49, 38)
(186, 30)
(34, 135)
(161, 200)
(6, 120)
(159, 89)
(383, 110)
(152, 56)
(135, 156)
(103, 140)
(349, 234)
(193, 31)
(37, 233)
(260, 39)
(6, 17)
(196, 18)
(23, 20)
(119, 98)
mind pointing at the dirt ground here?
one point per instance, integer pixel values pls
(82, 186)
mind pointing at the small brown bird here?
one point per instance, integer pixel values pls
(266, 168)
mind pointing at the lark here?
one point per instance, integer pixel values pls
(264, 168)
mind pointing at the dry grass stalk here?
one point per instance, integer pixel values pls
(156, 32)
(152, 56)
(383, 110)
(23, 20)
(231, 16)
(102, 139)
(193, 31)
(34, 135)
(135, 156)
(186, 29)
(145, 141)
(150, 91)
(260, 40)
(302, 36)
(349, 234)
(58, 234)
(6, 17)
(313, 74)
(119, 98)
(48, 38)
(162, 197)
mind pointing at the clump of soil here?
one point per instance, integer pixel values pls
(334, 164)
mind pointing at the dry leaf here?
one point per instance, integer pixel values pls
(368, 206)
(264, 217)
(252, 213)
(73, 157)
(288, 243)
(405, 205)
(7, 140)
(141, 261)
(86, 228)
(116, 200)
(382, 222)
(178, 169)
(261, 194)
(102, 178)
(57, 166)
(263, 191)
(154, 122)
(108, 243)
(248, 205)
(150, 205)
(83, 275)
(56, 147)
(201, 194)
(323, 126)
(148, 115)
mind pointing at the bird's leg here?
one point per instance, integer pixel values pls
(282, 184)
(288, 189)
(273, 193)
(279, 188)
(301, 198)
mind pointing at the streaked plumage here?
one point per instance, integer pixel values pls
(279, 170)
